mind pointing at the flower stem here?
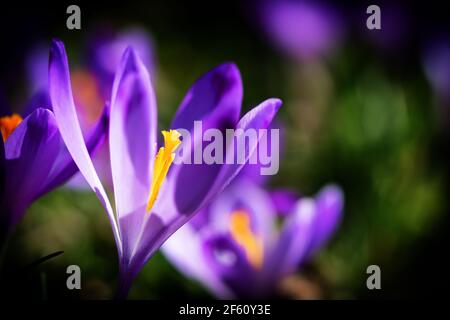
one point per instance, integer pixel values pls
(124, 285)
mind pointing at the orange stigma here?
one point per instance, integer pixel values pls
(8, 124)
(242, 233)
(87, 95)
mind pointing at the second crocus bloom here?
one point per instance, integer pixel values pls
(245, 242)
(34, 159)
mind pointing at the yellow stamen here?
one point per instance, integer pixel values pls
(8, 124)
(244, 236)
(164, 159)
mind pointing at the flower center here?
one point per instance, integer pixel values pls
(8, 124)
(244, 236)
(164, 159)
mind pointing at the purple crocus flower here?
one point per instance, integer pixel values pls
(33, 161)
(33, 157)
(436, 63)
(302, 29)
(236, 248)
(150, 202)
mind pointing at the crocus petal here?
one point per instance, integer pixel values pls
(329, 204)
(152, 235)
(218, 91)
(69, 126)
(252, 171)
(284, 200)
(64, 167)
(188, 196)
(258, 118)
(105, 52)
(212, 179)
(294, 241)
(132, 142)
(226, 259)
(307, 229)
(185, 250)
(30, 152)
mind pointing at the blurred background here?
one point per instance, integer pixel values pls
(366, 109)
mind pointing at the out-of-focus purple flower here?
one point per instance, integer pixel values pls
(105, 50)
(33, 160)
(150, 206)
(436, 63)
(37, 68)
(235, 248)
(302, 29)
